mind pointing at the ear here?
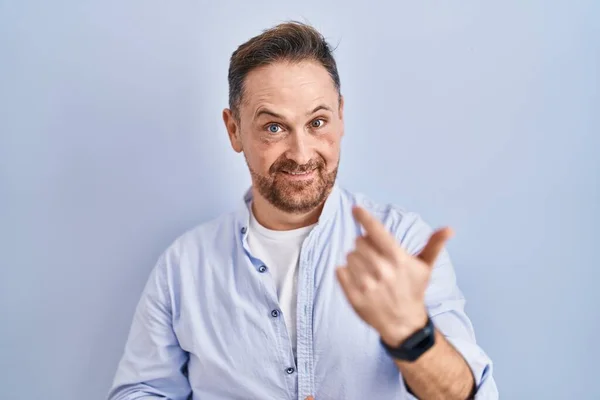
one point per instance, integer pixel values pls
(233, 130)
(341, 112)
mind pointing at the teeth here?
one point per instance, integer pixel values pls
(298, 173)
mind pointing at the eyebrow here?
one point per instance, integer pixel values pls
(266, 111)
(318, 108)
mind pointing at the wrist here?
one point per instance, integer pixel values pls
(411, 348)
(396, 334)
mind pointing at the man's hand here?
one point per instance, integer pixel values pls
(384, 284)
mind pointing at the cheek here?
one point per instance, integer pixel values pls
(263, 158)
(330, 149)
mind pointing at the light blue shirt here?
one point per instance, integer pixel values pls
(205, 329)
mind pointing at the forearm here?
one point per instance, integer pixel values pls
(440, 373)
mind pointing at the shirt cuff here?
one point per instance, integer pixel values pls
(481, 367)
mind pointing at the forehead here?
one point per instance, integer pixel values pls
(289, 84)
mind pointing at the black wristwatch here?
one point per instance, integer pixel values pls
(415, 345)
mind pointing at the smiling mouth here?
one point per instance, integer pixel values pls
(298, 173)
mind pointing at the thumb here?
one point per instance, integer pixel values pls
(310, 398)
(434, 245)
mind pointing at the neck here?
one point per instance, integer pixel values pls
(273, 218)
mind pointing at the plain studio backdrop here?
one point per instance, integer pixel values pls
(484, 117)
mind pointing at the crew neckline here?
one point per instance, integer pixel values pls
(277, 235)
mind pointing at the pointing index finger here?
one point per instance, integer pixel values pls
(377, 233)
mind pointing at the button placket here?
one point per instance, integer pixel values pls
(305, 328)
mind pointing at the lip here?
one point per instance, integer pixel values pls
(299, 177)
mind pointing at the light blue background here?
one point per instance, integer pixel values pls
(485, 117)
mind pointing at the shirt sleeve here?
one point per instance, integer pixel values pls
(153, 364)
(446, 305)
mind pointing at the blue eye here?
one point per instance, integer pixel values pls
(273, 128)
(317, 123)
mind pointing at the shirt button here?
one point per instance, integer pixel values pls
(262, 268)
(244, 229)
(275, 313)
(290, 370)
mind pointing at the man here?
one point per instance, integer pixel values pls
(253, 305)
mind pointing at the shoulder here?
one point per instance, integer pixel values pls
(205, 239)
(206, 233)
(407, 226)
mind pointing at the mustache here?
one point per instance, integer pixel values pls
(288, 165)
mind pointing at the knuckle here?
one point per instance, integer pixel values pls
(387, 272)
(378, 271)
(370, 286)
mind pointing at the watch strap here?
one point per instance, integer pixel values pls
(415, 345)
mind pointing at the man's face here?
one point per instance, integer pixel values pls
(290, 128)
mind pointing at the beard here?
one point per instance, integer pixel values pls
(295, 196)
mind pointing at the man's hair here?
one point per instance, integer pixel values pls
(290, 41)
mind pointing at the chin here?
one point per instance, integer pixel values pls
(299, 202)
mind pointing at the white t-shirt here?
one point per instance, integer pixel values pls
(280, 251)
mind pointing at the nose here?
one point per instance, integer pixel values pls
(300, 148)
